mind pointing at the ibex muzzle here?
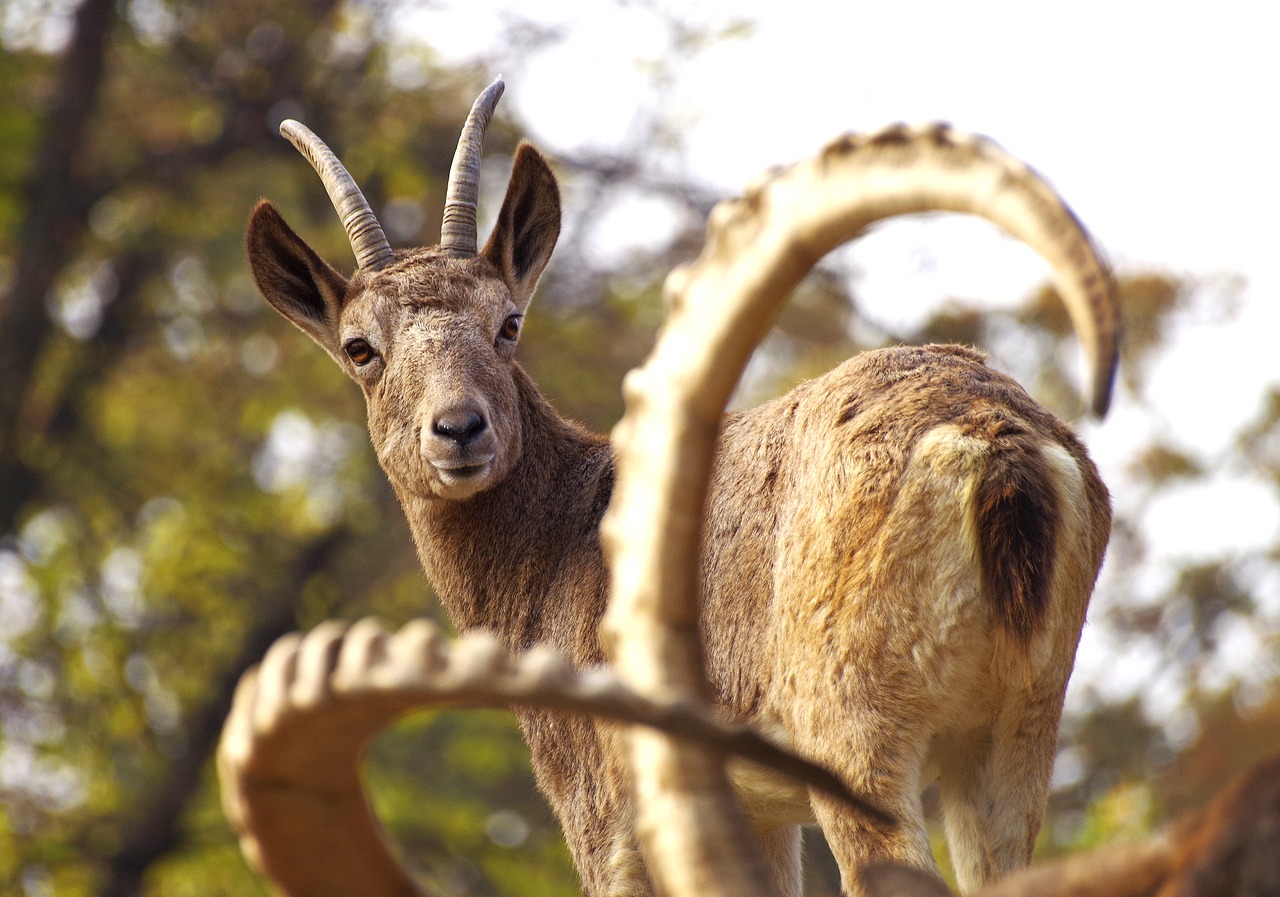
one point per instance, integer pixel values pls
(463, 437)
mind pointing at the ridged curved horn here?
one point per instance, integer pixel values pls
(766, 241)
(307, 711)
(458, 230)
(419, 667)
(368, 242)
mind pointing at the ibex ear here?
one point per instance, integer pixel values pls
(528, 225)
(298, 283)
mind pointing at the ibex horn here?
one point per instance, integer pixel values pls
(458, 231)
(369, 243)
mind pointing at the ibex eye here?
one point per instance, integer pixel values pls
(510, 328)
(359, 351)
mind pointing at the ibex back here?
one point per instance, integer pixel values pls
(898, 555)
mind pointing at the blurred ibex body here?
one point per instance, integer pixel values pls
(898, 554)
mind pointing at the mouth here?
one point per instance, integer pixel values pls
(457, 473)
(464, 471)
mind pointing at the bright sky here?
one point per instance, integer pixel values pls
(1157, 125)
(1156, 121)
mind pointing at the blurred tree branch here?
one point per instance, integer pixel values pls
(57, 204)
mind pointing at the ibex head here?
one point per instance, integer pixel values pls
(429, 334)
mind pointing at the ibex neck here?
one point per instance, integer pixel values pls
(523, 558)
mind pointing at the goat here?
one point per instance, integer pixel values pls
(898, 555)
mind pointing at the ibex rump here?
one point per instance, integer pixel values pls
(898, 554)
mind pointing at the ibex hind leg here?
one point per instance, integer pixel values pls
(872, 728)
(839, 719)
(877, 745)
(993, 789)
(879, 591)
(995, 774)
(854, 839)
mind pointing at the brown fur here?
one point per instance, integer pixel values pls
(897, 560)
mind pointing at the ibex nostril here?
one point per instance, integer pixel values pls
(461, 426)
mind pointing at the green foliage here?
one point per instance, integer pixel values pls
(1125, 813)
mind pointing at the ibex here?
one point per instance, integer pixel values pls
(898, 555)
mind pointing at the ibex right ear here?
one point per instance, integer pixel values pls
(298, 283)
(528, 225)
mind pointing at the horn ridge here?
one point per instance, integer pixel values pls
(458, 229)
(368, 242)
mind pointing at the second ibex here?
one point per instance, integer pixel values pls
(898, 555)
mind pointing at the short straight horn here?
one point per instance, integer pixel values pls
(368, 242)
(458, 231)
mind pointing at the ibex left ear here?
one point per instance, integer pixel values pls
(298, 283)
(528, 225)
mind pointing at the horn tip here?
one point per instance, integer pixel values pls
(1101, 399)
(291, 127)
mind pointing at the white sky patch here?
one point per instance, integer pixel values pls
(1207, 520)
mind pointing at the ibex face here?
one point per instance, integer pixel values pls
(428, 334)
(414, 347)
